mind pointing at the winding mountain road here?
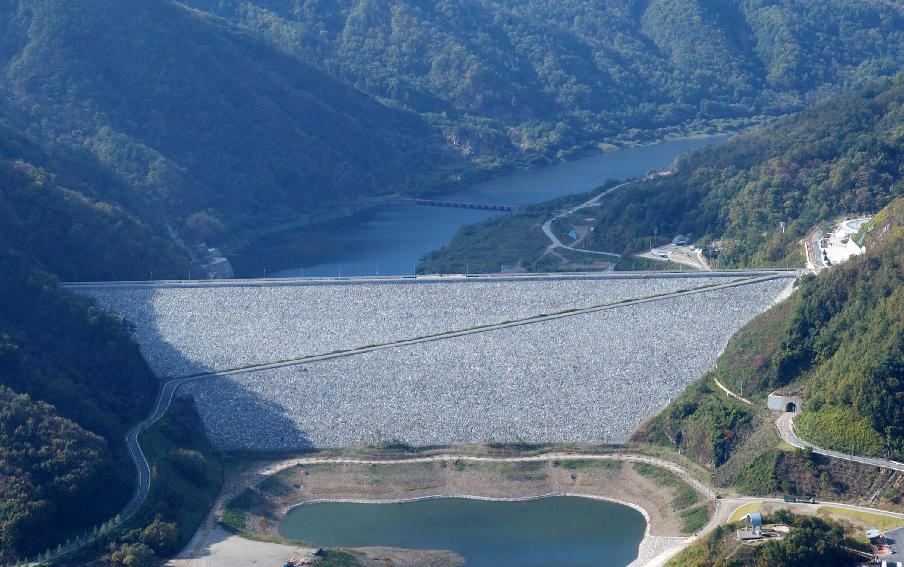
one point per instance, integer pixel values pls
(555, 242)
(785, 426)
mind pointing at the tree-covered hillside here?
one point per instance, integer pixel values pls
(71, 379)
(550, 75)
(838, 342)
(194, 115)
(260, 112)
(841, 156)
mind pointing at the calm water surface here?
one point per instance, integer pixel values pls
(560, 531)
(390, 240)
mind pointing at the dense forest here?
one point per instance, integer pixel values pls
(841, 157)
(546, 75)
(71, 379)
(194, 116)
(260, 112)
(746, 202)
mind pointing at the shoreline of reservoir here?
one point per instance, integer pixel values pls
(390, 238)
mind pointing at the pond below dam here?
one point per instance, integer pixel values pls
(561, 531)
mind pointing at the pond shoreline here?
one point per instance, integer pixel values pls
(649, 548)
(291, 485)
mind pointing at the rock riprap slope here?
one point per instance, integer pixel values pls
(190, 328)
(587, 377)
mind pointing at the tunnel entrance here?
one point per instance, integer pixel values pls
(791, 407)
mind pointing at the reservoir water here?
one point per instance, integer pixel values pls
(560, 531)
(390, 240)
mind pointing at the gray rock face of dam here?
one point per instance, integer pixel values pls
(585, 377)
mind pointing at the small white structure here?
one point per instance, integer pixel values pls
(839, 245)
(779, 401)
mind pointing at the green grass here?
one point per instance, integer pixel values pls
(693, 519)
(839, 428)
(583, 464)
(339, 558)
(234, 520)
(743, 510)
(630, 263)
(235, 514)
(514, 471)
(878, 521)
(658, 474)
(684, 497)
(758, 476)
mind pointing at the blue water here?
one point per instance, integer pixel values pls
(390, 240)
(560, 531)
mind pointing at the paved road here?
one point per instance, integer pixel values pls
(785, 426)
(557, 243)
(815, 263)
(432, 278)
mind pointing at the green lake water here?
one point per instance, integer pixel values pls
(560, 531)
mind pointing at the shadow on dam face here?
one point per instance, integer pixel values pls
(262, 417)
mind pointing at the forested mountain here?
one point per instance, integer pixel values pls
(841, 156)
(838, 342)
(193, 115)
(71, 379)
(266, 111)
(549, 75)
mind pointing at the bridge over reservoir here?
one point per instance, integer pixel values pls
(461, 205)
(289, 364)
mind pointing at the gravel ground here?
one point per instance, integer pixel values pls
(185, 330)
(584, 378)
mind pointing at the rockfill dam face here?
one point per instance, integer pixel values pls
(435, 361)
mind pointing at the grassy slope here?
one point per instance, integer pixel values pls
(686, 501)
